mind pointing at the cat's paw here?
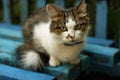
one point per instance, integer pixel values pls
(75, 61)
(54, 62)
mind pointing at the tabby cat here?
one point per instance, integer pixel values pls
(55, 34)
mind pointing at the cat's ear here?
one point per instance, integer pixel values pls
(82, 6)
(52, 11)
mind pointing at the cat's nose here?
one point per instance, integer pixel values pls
(70, 37)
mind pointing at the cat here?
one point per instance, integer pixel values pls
(53, 35)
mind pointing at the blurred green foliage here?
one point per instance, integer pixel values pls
(91, 10)
(15, 11)
(114, 20)
(1, 11)
(50, 1)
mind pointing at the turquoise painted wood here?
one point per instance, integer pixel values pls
(102, 55)
(6, 6)
(14, 34)
(40, 3)
(60, 3)
(101, 19)
(11, 26)
(12, 73)
(94, 57)
(24, 10)
(100, 41)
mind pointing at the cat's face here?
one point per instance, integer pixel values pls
(69, 25)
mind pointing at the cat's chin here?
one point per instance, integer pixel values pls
(73, 43)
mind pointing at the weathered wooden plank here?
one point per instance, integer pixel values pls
(24, 10)
(10, 34)
(101, 19)
(7, 51)
(100, 41)
(40, 3)
(9, 43)
(7, 58)
(102, 55)
(11, 26)
(6, 6)
(20, 74)
(60, 3)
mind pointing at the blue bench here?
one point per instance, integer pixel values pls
(98, 54)
(92, 54)
(11, 73)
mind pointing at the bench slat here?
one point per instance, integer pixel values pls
(60, 3)
(10, 34)
(24, 10)
(101, 19)
(100, 41)
(40, 3)
(102, 55)
(20, 74)
(8, 43)
(6, 6)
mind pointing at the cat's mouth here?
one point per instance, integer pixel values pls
(73, 44)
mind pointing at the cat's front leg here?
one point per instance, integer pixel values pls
(75, 61)
(54, 61)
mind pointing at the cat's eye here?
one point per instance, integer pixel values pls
(63, 28)
(79, 26)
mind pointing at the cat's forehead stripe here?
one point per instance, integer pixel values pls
(71, 22)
